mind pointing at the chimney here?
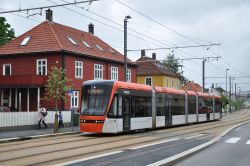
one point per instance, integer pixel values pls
(91, 28)
(49, 15)
(154, 55)
(143, 53)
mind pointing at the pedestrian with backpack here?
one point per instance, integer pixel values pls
(42, 113)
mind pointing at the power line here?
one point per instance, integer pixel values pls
(178, 47)
(170, 29)
(45, 7)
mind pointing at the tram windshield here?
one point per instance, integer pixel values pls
(95, 99)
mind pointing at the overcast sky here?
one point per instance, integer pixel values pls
(200, 22)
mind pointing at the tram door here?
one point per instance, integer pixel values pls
(126, 113)
(168, 112)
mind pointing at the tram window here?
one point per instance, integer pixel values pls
(142, 107)
(205, 105)
(191, 104)
(218, 106)
(161, 105)
(120, 106)
(177, 105)
(113, 109)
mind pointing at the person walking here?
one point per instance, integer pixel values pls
(60, 117)
(42, 113)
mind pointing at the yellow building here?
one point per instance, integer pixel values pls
(154, 73)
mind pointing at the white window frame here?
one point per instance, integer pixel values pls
(112, 51)
(167, 83)
(4, 72)
(37, 67)
(99, 47)
(74, 99)
(151, 80)
(71, 40)
(128, 75)
(79, 68)
(114, 73)
(25, 41)
(98, 72)
(86, 44)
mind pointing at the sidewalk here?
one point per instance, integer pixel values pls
(18, 135)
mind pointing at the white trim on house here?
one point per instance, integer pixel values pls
(78, 69)
(75, 99)
(4, 69)
(98, 72)
(41, 66)
(128, 75)
(114, 73)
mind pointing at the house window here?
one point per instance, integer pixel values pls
(25, 40)
(98, 72)
(128, 75)
(99, 47)
(148, 81)
(167, 83)
(75, 99)
(112, 51)
(78, 69)
(86, 44)
(6, 69)
(71, 40)
(114, 73)
(172, 83)
(41, 67)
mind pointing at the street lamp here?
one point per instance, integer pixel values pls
(125, 47)
(226, 81)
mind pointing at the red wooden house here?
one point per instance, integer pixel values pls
(25, 62)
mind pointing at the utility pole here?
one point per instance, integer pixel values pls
(204, 59)
(125, 47)
(226, 82)
(235, 86)
(230, 79)
(203, 75)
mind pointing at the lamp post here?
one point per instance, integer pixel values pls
(125, 47)
(226, 81)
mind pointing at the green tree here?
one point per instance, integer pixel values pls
(56, 89)
(6, 32)
(173, 62)
(225, 101)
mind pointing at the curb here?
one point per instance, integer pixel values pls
(6, 140)
(173, 159)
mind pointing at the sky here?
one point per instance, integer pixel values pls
(160, 24)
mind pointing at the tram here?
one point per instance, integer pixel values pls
(118, 107)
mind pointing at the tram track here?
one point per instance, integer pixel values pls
(80, 138)
(150, 133)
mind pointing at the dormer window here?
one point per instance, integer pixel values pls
(112, 51)
(100, 48)
(71, 40)
(25, 41)
(86, 44)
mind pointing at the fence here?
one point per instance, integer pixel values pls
(11, 119)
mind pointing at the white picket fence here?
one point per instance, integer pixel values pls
(9, 119)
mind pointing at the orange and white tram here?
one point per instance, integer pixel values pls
(116, 107)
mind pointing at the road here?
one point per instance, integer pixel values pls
(125, 149)
(232, 150)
